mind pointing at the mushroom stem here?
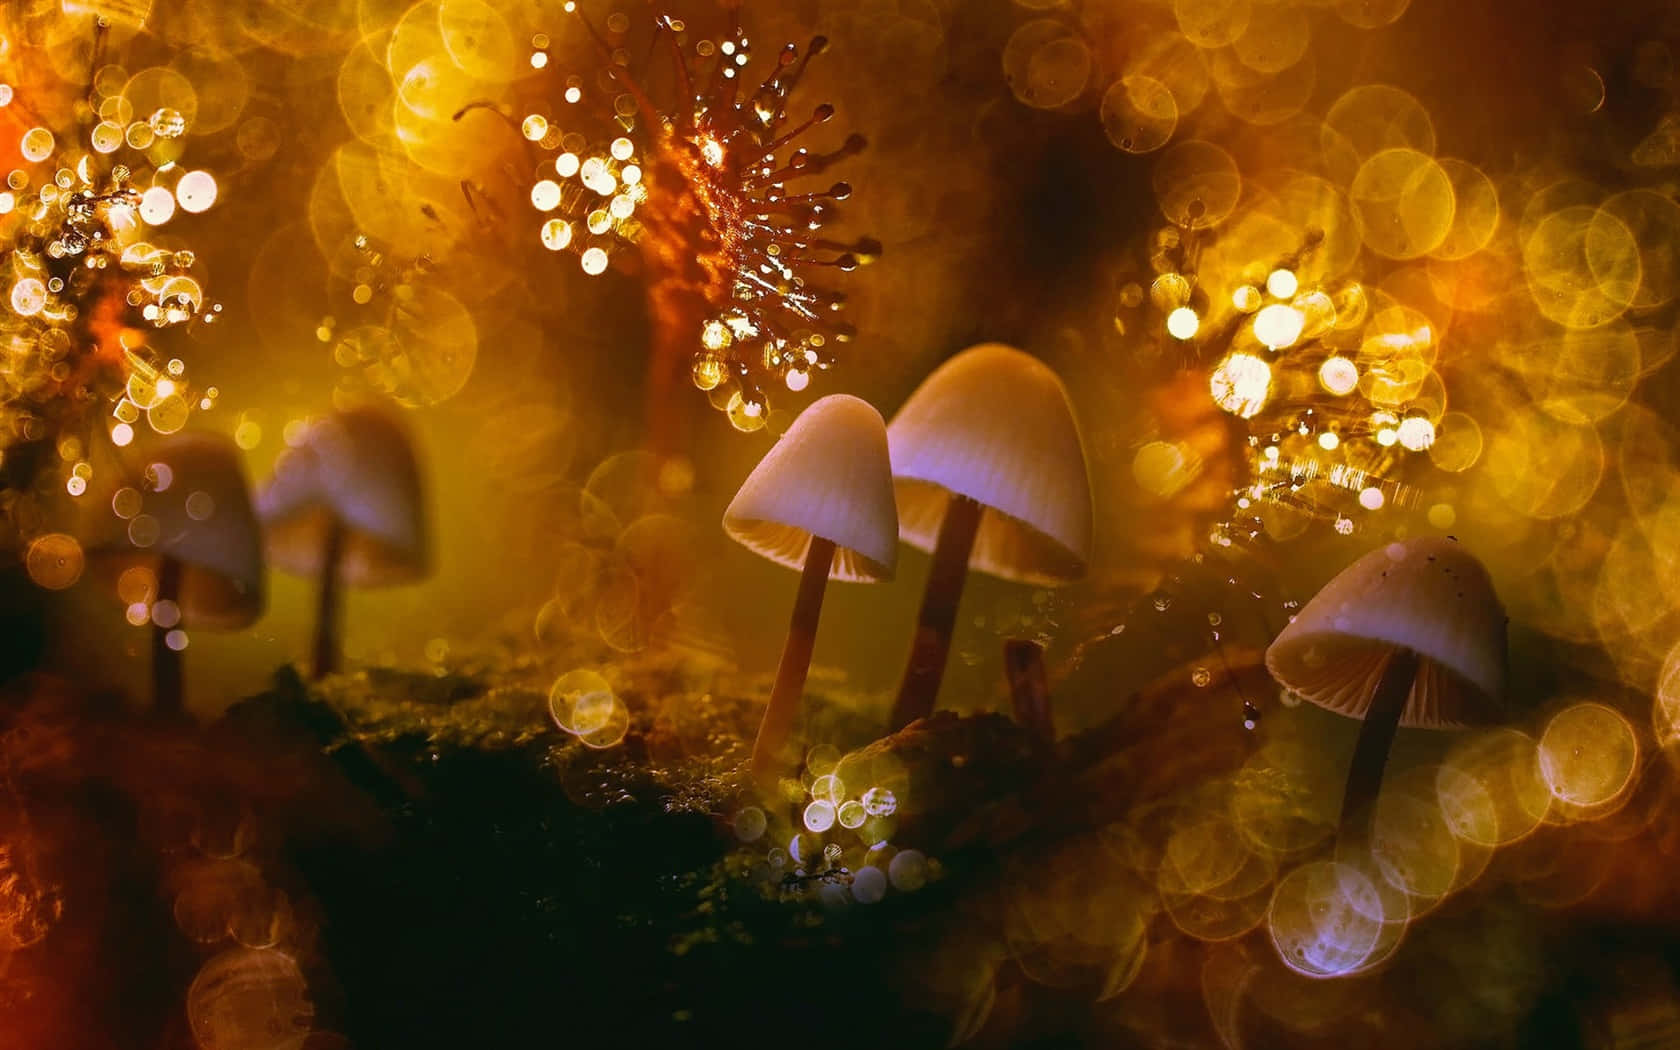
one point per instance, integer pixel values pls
(1376, 735)
(777, 725)
(167, 691)
(932, 645)
(324, 656)
(1029, 687)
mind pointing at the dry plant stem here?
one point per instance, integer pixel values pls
(324, 654)
(1029, 687)
(932, 645)
(167, 692)
(777, 726)
(1376, 736)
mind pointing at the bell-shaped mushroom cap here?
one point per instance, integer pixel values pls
(994, 424)
(828, 476)
(358, 467)
(1428, 595)
(201, 507)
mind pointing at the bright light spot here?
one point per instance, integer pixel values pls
(36, 145)
(28, 297)
(75, 485)
(121, 435)
(176, 639)
(631, 175)
(1246, 298)
(715, 335)
(573, 94)
(1416, 433)
(1371, 498)
(165, 387)
(1278, 326)
(819, 816)
(622, 148)
(594, 261)
(1328, 441)
(830, 788)
(880, 802)
(539, 59)
(797, 380)
(139, 614)
(157, 206)
(8, 201)
(598, 222)
(711, 151)
(1282, 284)
(1325, 919)
(1182, 323)
(248, 434)
(1338, 375)
(545, 195)
(621, 207)
(534, 127)
(1387, 436)
(556, 234)
(196, 191)
(567, 165)
(1241, 384)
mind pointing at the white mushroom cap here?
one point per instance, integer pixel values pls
(994, 424)
(828, 476)
(197, 494)
(1428, 595)
(356, 466)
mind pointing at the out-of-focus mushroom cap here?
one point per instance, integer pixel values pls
(994, 424)
(358, 467)
(828, 476)
(1428, 595)
(195, 490)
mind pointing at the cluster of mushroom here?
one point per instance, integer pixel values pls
(344, 507)
(983, 466)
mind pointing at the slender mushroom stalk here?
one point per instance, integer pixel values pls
(1411, 634)
(167, 690)
(991, 476)
(1376, 736)
(345, 508)
(328, 604)
(821, 501)
(206, 559)
(930, 650)
(1029, 687)
(777, 724)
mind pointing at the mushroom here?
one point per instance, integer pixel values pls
(991, 475)
(196, 533)
(345, 507)
(1411, 634)
(821, 501)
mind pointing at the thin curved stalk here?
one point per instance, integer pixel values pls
(931, 648)
(1376, 737)
(324, 652)
(776, 728)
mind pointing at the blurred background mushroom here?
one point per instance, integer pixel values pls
(1410, 634)
(991, 475)
(345, 507)
(190, 551)
(821, 501)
